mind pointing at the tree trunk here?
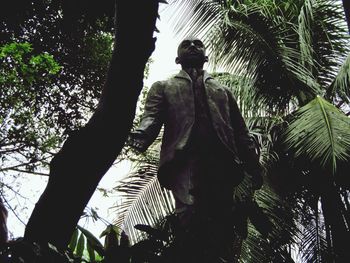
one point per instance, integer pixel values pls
(346, 5)
(332, 211)
(89, 152)
(3, 225)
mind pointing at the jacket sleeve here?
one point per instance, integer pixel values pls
(246, 146)
(152, 118)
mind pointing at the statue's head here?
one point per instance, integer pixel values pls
(191, 53)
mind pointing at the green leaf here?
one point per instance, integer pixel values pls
(112, 237)
(90, 250)
(74, 240)
(106, 231)
(80, 246)
(92, 240)
(319, 132)
(341, 84)
(89, 236)
(144, 200)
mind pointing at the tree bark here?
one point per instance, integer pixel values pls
(89, 152)
(3, 224)
(334, 220)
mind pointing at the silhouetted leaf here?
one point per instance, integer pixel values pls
(74, 240)
(80, 246)
(153, 232)
(92, 240)
(90, 250)
(259, 219)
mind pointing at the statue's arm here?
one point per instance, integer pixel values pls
(246, 146)
(151, 121)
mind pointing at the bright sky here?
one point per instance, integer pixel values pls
(162, 67)
(164, 54)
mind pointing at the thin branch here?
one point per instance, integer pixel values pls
(14, 166)
(12, 210)
(13, 190)
(12, 150)
(30, 172)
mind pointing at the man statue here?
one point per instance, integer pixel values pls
(206, 149)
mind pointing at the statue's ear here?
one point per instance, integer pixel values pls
(177, 60)
(206, 59)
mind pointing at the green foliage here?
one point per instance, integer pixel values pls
(26, 119)
(320, 133)
(85, 246)
(340, 85)
(53, 66)
(111, 234)
(51, 77)
(143, 200)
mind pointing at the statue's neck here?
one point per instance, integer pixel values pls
(199, 70)
(194, 73)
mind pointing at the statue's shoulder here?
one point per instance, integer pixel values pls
(171, 81)
(215, 83)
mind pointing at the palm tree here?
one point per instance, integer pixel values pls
(290, 60)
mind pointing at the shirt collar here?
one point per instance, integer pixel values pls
(183, 74)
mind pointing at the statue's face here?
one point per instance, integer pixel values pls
(191, 52)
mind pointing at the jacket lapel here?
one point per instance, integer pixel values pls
(183, 74)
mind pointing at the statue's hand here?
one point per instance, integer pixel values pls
(136, 142)
(257, 182)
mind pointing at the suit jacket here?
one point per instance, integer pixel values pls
(171, 103)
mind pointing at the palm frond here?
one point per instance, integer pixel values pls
(262, 128)
(143, 200)
(322, 38)
(194, 17)
(305, 22)
(341, 85)
(249, 43)
(256, 248)
(313, 246)
(319, 132)
(241, 88)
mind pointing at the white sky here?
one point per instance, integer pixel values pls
(164, 54)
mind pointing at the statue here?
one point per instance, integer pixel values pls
(206, 149)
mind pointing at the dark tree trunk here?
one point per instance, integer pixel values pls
(88, 153)
(346, 5)
(334, 219)
(3, 225)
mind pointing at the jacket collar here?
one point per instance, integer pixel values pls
(183, 74)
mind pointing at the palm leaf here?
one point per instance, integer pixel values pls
(242, 89)
(322, 38)
(319, 132)
(256, 46)
(195, 17)
(314, 244)
(256, 248)
(305, 21)
(341, 84)
(143, 200)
